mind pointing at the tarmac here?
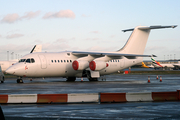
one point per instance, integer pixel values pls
(117, 83)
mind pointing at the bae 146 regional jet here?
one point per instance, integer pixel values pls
(72, 64)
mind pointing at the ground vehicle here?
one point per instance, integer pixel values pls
(1, 76)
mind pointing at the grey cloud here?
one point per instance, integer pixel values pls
(14, 36)
(11, 18)
(60, 14)
(30, 15)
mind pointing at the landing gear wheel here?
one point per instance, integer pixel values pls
(2, 80)
(71, 79)
(19, 81)
(93, 79)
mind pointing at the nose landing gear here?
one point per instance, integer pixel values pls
(19, 80)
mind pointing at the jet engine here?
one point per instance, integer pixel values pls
(97, 65)
(80, 65)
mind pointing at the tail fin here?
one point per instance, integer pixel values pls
(155, 62)
(36, 48)
(137, 41)
(144, 65)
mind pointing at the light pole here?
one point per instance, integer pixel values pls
(7, 55)
(12, 55)
(174, 56)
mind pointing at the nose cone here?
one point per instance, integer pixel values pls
(17, 69)
(10, 70)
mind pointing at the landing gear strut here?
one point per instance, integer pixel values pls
(19, 80)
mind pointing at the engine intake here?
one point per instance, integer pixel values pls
(97, 65)
(80, 65)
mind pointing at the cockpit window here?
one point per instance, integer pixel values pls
(22, 60)
(32, 60)
(29, 60)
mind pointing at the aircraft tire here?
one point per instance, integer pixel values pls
(93, 79)
(19, 81)
(2, 80)
(71, 79)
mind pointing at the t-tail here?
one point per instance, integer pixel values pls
(137, 41)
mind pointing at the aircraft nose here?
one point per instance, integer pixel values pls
(10, 71)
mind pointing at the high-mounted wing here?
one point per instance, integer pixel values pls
(109, 54)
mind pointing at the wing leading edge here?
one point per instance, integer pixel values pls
(113, 54)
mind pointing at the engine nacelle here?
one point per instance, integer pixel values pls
(80, 65)
(97, 65)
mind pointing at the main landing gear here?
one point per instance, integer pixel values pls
(93, 79)
(19, 80)
(89, 76)
(71, 79)
(2, 80)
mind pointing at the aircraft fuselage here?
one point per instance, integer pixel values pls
(60, 65)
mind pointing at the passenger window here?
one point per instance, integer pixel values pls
(61, 60)
(52, 61)
(67, 60)
(70, 60)
(64, 60)
(58, 61)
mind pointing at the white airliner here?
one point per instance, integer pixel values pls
(72, 64)
(6, 64)
(163, 65)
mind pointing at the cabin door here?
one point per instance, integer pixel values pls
(43, 61)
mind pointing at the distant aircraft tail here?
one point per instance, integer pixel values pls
(137, 41)
(36, 48)
(155, 62)
(144, 65)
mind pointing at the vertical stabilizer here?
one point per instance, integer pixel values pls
(137, 41)
(36, 48)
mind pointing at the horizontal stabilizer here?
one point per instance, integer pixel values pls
(151, 27)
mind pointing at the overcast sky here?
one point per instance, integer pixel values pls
(87, 25)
